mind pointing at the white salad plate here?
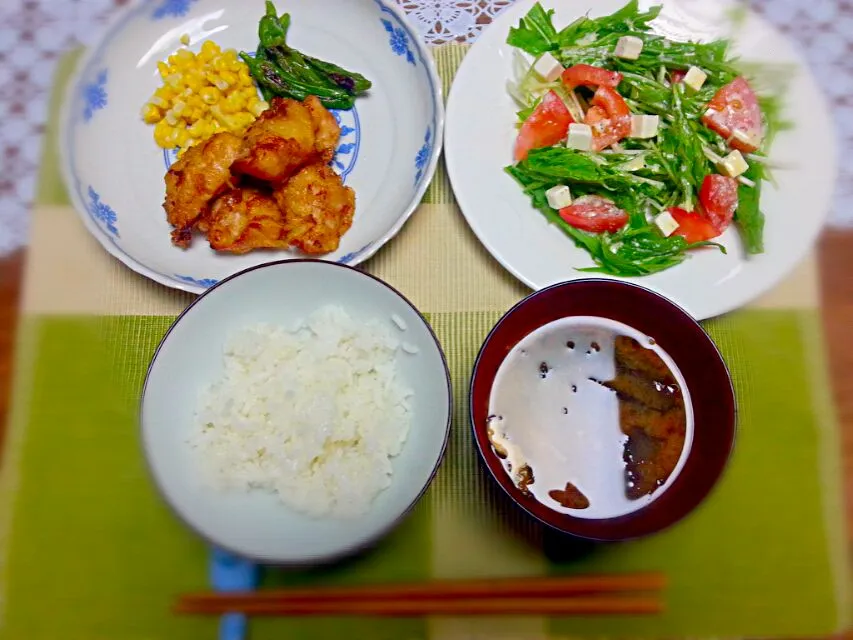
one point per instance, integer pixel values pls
(256, 523)
(479, 138)
(389, 147)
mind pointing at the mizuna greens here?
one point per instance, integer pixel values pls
(623, 186)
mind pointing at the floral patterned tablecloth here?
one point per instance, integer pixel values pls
(34, 33)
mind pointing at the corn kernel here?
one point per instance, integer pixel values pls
(179, 107)
(184, 55)
(230, 56)
(161, 133)
(210, 95)
(185, 39)
(165, 93)
(194, 81)
(181, 137)
(195, 101)
(259, 107)
(216, 112)
(233, 103)
(197, 129)
(159, 102)
(151, 114)
(210, 48)
(174, 80)
(228, 77)
(163, 68)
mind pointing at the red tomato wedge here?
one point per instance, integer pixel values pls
(595, 214)
(677, 75)
(718, 197)
(693, 227)
(735, 108)
(546, 126)
(586, 75)
(616, 126)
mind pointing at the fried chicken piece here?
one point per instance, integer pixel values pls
(326, 129)
(244, 219)
(318, 208)
(195, 179)
(279, 142)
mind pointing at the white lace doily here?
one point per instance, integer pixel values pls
(35, 33)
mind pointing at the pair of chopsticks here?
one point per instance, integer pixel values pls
(577, 595)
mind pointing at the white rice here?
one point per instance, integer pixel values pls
(313, 413)
(401, 324)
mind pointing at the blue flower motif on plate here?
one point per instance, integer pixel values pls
(204, 282)
(422, 157)
(95, 95)
(397, 36)
(346, 259)
(172, 9)
(101, 213)
(350, 141)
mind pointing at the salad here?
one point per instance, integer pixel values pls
(640, 148)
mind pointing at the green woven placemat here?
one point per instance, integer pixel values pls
(89, 551)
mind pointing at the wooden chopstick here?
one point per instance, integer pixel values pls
(586, 605)
(540, 595)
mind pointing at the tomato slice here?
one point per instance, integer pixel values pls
(546, 126)
(586, 75)
(718, 197)
(616, 126)
(677, 75)
(735, 108)
(595, 214)
(693, 227)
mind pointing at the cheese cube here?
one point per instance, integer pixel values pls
(559, 197)
(580, 137)
(749, 139)
(548, 67)
(628, 47)
(695, 78)
(644, 126)
(666, 223)
(733, 165)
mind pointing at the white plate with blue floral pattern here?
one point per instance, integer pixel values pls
(389, 147)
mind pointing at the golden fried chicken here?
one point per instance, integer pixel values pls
(279, 142)
(244, 219)
(326, 129)
(318, 209)
(198, 176)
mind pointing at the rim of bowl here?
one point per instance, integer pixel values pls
(111, 247)
(351, 549)
(682, 497)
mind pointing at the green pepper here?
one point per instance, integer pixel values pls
(272, 31)
(267, 95)
(349, 80)
(269, 75)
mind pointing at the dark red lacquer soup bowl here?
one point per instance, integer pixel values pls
(602, 409)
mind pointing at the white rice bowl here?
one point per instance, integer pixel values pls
(357, 490)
